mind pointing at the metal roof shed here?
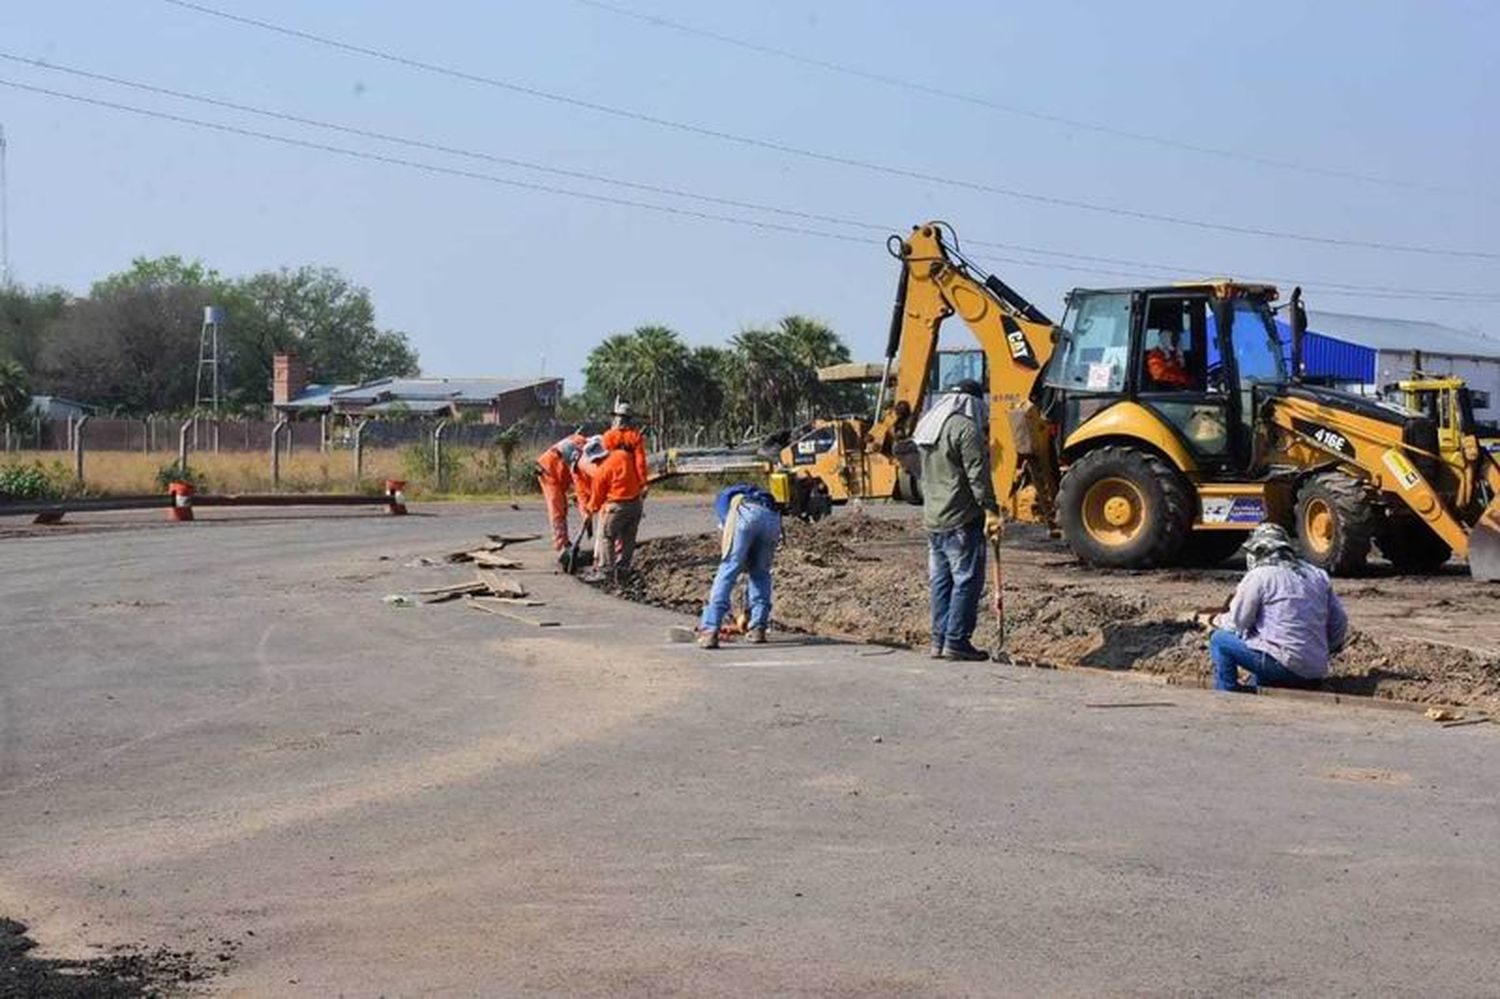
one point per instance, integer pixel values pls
(1369, 352)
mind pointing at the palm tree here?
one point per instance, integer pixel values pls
(611, 368)
(768, 379)
(812, 345)
(707, 375)
(658, 359)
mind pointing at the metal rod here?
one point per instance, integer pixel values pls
(276, 453)
(359, 450)
(437, 455)
(182, 446)
(78, 448)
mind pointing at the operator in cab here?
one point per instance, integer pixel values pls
(1165, 365)
(959, 512)
(1283, 623)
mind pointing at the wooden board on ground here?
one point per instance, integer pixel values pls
(491, 605)
(490, 560)
(438, 594)
(500, 586)
(512, 539)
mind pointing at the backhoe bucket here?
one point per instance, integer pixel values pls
(1484, 545)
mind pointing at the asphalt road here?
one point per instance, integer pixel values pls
(218, 731)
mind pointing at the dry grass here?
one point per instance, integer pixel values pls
(473, 471)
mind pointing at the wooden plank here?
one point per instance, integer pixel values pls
(490, 560)
(511, 601)
(455, 589)
(492, 606)
(500, 586)
(512, 539)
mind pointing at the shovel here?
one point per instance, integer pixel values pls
(573, 556)
(998, 578)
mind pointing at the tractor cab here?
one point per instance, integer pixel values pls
(1198, 357)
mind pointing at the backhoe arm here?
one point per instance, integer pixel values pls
(1016, 339)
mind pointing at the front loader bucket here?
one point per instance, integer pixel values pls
(1484, 545)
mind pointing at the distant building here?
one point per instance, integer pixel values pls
(1364, 354)
(55, 407)
(495, 400)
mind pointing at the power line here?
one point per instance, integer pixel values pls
(429, 167)
(824, 157)
(435, 147)
(916, 86)
(1163, 269)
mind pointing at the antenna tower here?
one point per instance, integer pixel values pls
(206, 391)
(4, 218)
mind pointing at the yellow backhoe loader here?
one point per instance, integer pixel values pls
(1155, 426)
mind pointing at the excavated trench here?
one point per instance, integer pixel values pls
(1423, 639)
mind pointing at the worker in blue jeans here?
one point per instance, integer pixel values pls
(959, 512)
(1283, 623)
(751, 529)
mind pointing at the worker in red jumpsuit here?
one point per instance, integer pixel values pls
(554, 471)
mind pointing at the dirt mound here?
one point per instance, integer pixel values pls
(865, 577)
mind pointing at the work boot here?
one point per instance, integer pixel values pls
(708, 639)
(756, 636)
(964, 652)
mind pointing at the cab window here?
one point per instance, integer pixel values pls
(1096, 352)
(1174, 348)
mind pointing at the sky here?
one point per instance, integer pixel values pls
(1353, 121)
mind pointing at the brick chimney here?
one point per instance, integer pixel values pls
(288, 378)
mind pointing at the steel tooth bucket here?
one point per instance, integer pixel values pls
(1484, 545)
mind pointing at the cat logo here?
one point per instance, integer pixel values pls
(1015, 339)
(1324, 437)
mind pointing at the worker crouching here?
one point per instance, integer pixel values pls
(616, 492)
(751, 529)
(1283, 622)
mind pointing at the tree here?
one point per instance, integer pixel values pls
(132, 344)
(320, 314)
(764, 379)
(648, 366)
(705, 378)
(24, 317)
(811, 345)
(15, 392)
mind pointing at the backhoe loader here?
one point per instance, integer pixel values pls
(1137, 471)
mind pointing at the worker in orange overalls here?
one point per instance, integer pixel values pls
(592, 453)
(1165, 365)
(625, 433)
(554, 471)
(615, 492)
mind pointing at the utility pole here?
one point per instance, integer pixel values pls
(4, 219)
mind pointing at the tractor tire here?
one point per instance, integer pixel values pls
(1336, 519)
(1410, 546)
(1125, 508)
(1205, 549)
